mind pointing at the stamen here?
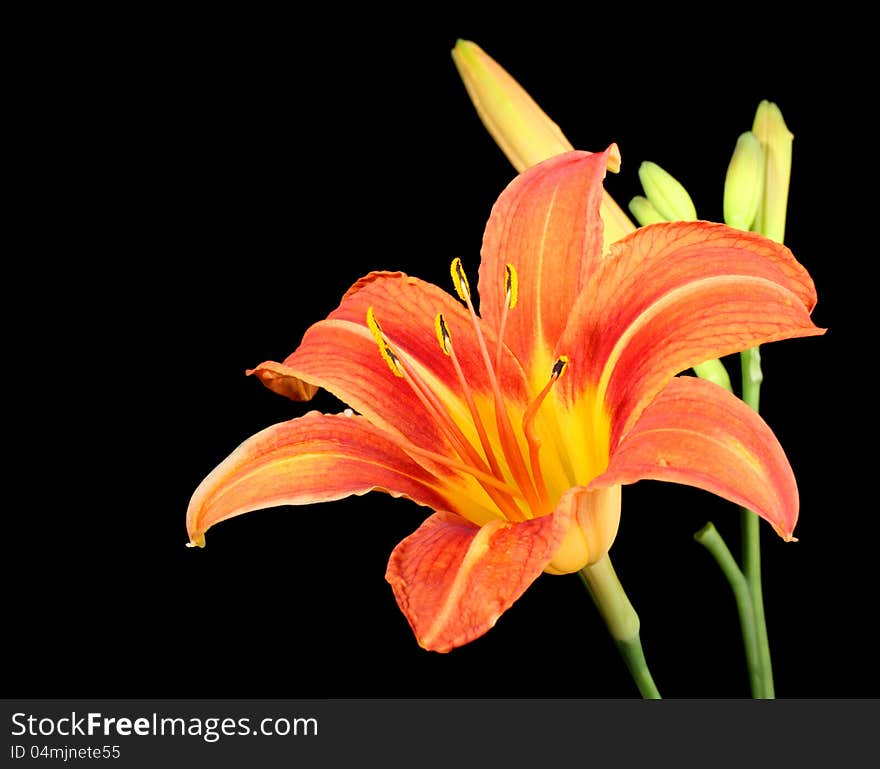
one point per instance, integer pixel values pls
(442, 331)
(502, 418)
(559, 367)
(440, 459)
(512, 286)
(512, 293)
(528, 426)
(384, 349)
(461, 444)
(459, 280)
(446, 344)
(436, 410)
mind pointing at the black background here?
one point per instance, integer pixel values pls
(199, 190)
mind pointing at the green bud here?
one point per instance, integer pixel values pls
(744, 183)
(644, 212)
(714, 371)
(666, 193)
(776, 141)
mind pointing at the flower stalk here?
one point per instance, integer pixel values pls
(756, 197)
(709, 538)
(622, 621)
(752, 376)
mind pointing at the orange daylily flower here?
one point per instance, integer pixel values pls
(519, 424)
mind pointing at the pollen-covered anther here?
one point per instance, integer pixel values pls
(442, 331)
(384, 347)
(511, 285)
(459, 280)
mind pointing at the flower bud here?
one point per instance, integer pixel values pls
(666, 193)
(521, 128)
(644, 212)
(744, 183)
(776, 142)
(714, 371)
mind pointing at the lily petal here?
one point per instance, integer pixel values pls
(341, 355)
(546, 224)
(698, 434)
(453, 580)
(673, 295)
(316, 458)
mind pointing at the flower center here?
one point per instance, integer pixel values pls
(521, 492)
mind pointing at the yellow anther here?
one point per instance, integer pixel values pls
(512, 286)
(391, 359)
(375, 328)
(384, 348)
(459, 280)
(443, 335)
(559, 367)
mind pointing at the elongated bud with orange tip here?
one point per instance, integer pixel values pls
(666, 193)
(744, 183)
(776, 142)
(521, 128)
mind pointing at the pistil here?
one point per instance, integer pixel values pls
(528, 426)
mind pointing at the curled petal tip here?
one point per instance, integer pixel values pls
(280, 379)
(787, 536)
(613, 162)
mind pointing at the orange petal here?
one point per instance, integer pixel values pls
(697, 433)
(340, 355)
(547, 225)
(453, 580)
(675, 294)
(315, 458)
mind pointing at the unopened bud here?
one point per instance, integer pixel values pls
(744, 183)
(666, 193)
(519, 126)
(522, 130)
(714, 371)
(776, 142)
(644, 212)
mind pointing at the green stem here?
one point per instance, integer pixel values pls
(622, 621)
(752, 376)
(709, 538)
